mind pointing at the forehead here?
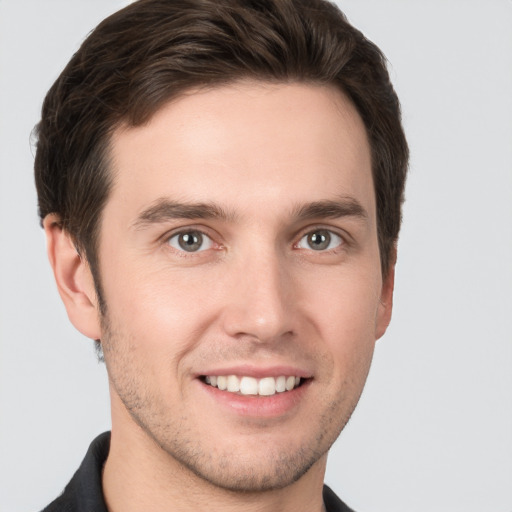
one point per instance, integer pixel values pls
(244, 145)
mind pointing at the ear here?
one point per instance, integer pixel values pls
(386, 299)
(73, 277)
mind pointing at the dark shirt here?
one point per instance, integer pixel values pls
(84, 492)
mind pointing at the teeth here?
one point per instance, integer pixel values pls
(267, 386)
(248, 386)
(222, 382)
(281, 384)
(233, 383)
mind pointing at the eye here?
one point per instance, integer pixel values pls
(190, 241)
(320, 240)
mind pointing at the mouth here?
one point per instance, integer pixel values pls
(246, 385)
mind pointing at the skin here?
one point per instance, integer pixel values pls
(256, 296)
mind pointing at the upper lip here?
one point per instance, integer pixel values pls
(257, 372)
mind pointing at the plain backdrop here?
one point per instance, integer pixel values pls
(433, 430)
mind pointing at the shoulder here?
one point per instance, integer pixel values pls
(84, 492)
(333, 503)
(64, 503)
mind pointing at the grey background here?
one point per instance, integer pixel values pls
(433, 431)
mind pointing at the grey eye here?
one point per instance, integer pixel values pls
(190, 241)
(320, 240)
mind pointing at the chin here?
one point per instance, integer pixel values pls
(250, 474)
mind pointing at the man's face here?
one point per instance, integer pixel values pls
(239, 248)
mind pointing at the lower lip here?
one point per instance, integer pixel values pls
(258, 406)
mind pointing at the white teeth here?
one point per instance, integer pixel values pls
(248, 386)
(267, 386)
(233, 383)
(281, 384)
(222, 382)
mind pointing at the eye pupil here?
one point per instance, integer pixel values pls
(191, 241)
(319, 240)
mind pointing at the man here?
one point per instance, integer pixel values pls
(220, 184)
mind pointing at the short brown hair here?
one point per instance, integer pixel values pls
(151, 51)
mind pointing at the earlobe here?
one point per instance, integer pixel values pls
(73, 277)
(386, 299)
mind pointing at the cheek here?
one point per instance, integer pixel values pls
(344, 310)
(162, 309)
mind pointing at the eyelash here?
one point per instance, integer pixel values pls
(213, 245)
(189, 230)
(332, 234)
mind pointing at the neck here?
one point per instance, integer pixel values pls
(139, 475)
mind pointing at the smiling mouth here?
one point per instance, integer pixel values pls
(244, 385)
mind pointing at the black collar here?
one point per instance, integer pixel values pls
(84, 492)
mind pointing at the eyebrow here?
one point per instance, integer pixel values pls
(164, 210)
(328, 209)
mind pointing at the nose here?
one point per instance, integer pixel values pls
(261, 304)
